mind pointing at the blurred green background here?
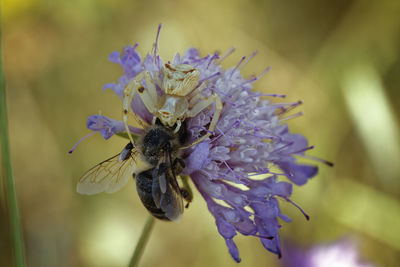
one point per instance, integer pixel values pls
(340, 57)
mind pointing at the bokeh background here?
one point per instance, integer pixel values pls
(340, 57)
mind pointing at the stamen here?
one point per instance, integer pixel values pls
(224, 94)
(330, 164)
(243, 83)
(210, 77)
(265, 136)
(226, 131)
(155, 47)
(198, 61)
(221, 134)
(302, 150)
(224, 56)
(272, 95)
(275, 95)
(230, 169)
(248, 60)
(263, 73)
(215, 56)
(260, 75)
(263, 236)
(202, 128)
(288, 108)
(237, 66)
(283, 147)
(266, 171)
(284, 105)
(77, 143)
(292, 116)
(297, 206)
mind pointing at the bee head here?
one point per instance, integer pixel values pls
(155, 142)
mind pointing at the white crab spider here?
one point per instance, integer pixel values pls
(182, 97)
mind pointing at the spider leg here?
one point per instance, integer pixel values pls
(148, 97)
(178, 126)
(201, 105)
(197, 91)
(151, 91)
(126, 103)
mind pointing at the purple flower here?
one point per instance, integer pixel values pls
(108, 127)
(248, 162)
(131, 66)
(340, 253)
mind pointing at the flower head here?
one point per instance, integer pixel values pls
(248, 163)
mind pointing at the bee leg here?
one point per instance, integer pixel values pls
(186, 192)
(178, 166)
(187, 196)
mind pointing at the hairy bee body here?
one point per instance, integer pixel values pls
(155, 162)
(157, 187)
(144, 187)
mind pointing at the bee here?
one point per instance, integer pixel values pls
(155, 162)
(181, 97)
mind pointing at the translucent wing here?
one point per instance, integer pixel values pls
(108, 176)
(169, 200)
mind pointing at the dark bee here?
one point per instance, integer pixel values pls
(157, 187)
(155, 162)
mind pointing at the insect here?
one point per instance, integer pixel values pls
(155, 162)
(182, 97)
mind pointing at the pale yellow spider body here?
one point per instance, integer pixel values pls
(182, 97)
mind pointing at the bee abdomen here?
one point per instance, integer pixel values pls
(144, 183)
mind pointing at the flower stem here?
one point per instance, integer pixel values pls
(141, 244)
(11, 195)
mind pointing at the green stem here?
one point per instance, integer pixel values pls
(11, 195)
(141, 244)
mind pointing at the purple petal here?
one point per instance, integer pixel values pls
(265, 209)
(282, 189)
(285, 218)
(246, 227)
(298, 173)
(233, 250)
(131, 62)
(269, 227)
(114, 57)
(197, 158)
(108, 127)
(191, 53)
(225, 229)
(117, 88)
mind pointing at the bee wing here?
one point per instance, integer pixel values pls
(170, 201)
(108, 176)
